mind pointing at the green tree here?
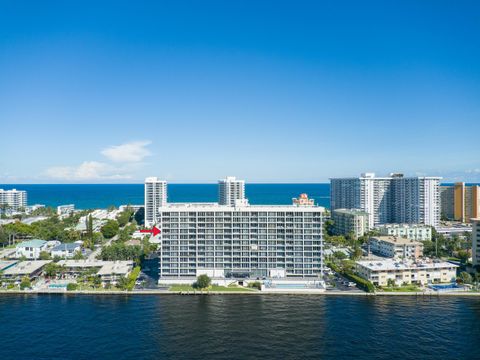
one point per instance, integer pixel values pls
(44, 255)
(339, 255)
(357, 253)
(463, 255)
(78, 256)
(52, 269)
(110, 229)
(25, 283)
(125, 216)
(465, 278)
(203, 282)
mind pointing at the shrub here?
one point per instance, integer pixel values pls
(255, 285)
(72, 287)
(203, 282)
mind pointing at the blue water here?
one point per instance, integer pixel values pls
(238, 327)
(88, 196)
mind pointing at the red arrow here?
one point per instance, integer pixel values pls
(155, 231)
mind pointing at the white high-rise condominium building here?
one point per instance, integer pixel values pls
(14, 198)
(231, 191)
(392, 199)
(155, 197)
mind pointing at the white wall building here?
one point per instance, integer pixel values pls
(66, 251)
(31, 249)
(408, 272)
(231, 191)
(392, 199)
(155, 197)
(395, 247)
(239, 241)
(14, 198)
(65, 209)
(410, 231)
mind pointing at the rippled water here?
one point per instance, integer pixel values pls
(238, 327)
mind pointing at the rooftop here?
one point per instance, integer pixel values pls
(26, 267)
(66, 247)
(116, 267)
(351, 211)
(35, 243)
(396, 240)
(81, 263)
(217, 207)
(391, 264)
(5, 264)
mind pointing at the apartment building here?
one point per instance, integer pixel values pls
(460, 202)
(14, 199)
(392, 199)
(231, 191)
(350, 221)
(406, 272)
(240, 240)
(155, 197)
(476, 241)
(395, 247)
(415, 232)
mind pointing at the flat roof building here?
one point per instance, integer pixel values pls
(417, 232)
(379, 273)
(460, 202)
(155, 197)
(391, 199)
(350, 221)
(32, 269)
(239, 241)
(395, 247)
(13, 198)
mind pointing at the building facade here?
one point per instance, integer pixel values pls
(476, 241)
(65, 209)
(410, 231)
(231, 191)
(240, 241)
(350, 221)
(408, 272)
(14, 199)
(31, 249)
(395, 247)
(392, 199)
(155, 197)
(460, 202)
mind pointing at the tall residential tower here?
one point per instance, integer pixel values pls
(231, 191)
(460, 202)
(14, 198)
(155, 196)
(392, 199)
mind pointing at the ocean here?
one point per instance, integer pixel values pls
(238, 327)
(90, 196)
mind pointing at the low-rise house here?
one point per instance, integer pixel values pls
(395, 247)
(30, 249)
(67, 250)
(381, 272)
(109, 271)
(30, 269)
(112, 271)
(417, 232)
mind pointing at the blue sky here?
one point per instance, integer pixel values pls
(271, 91)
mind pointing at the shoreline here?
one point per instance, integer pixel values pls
(242, 293)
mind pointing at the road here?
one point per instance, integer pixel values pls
(96, 252)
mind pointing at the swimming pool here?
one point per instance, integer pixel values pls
(57, 286)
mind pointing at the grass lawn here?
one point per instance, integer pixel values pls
(407, 288)
(178, 287)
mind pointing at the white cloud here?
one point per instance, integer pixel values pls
(131, 152)
(88, 170)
